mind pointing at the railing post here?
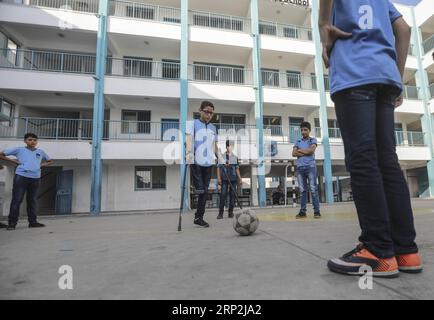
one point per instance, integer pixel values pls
(57, 129)
(62, 60)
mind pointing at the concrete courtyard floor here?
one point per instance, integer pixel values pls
(143, 256)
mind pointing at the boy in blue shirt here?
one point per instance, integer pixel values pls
(304, 151)
(201, 152)
(228, 175)
(365, 44)
(29, 161)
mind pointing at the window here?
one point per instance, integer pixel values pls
(293, 79)
(274, 124)
(9, 48)
(6, 110)
(334, 131)
(136, 121)
(140, 12)
(218, 73)
(267, 29)
(150, 178)
(172, 20)
(270, 77)
(219, 22)
(137, 67)
(171, 69)
(226, 121)
(326, 82)
(290, 32)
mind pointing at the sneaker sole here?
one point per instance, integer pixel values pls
(201, 226)
(382, 274)
(417, 269)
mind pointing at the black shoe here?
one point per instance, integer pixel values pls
(230, 215)
(317, 215)
(36, 225)
(220, 216)
(200, 222)
(11, 227)
(3, 226)
(301, 215)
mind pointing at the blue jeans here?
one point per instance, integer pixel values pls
(306, 177)
(22, 186)
(366, 119)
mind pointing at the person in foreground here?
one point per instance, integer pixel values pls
(29, 161)
(201, 151)
(365, 45)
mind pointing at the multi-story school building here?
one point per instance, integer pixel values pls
(105, 83)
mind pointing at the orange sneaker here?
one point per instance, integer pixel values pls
(410, 263)
(351, 263)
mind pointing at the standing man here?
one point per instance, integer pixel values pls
(27, 178)
(365, 45)
(228, 174)
(201, 152)
(304, 151)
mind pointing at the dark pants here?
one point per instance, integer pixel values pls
(366, 118)
(226, 188)
(201, 178)
(23, 185)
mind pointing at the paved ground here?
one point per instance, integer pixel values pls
(142, 256)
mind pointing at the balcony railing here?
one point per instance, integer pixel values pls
(88, 6)
(285, 31)
(428, 44)
(288, 80)
(334, 133)
(220, 74)
(141, 68)
(143, 11)
(122, 130)
(409, 138)
(47, 61)
(218, 21)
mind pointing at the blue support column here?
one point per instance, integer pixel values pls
(323, 103)
(98, 109)
(257, 77)
(184, 91)
(423, 83)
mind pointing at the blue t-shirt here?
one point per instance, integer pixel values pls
(205, 136)
(30, 161)
(231, 170)
(369, 56)
(306, 161)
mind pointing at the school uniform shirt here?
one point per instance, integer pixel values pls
(231, 170)
(204, 138)
(306, 161)
(369, 56)
(30, 161)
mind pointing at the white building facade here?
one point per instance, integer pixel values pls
(48, 59)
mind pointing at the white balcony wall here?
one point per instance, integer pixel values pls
(55, 18)
(144, 28)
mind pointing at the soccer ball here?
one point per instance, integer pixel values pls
(245, 222)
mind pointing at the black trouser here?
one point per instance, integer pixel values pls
(381, 195)
(226, 188)
(23, 185)
(201, 178)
